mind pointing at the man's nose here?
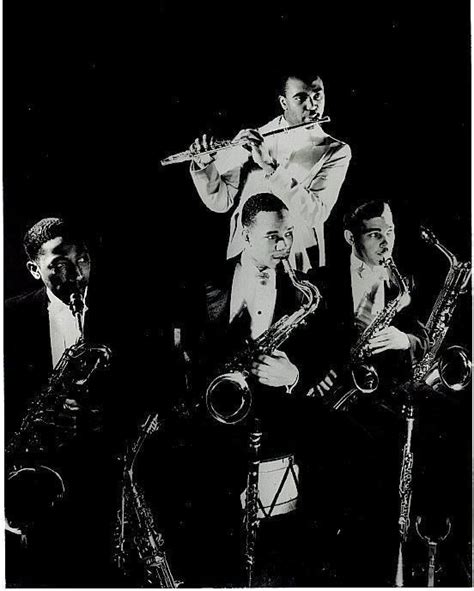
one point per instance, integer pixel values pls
(78, 272)
(281, 244)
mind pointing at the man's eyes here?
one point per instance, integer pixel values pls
(274, 237)
(59, 266)
(303, 97)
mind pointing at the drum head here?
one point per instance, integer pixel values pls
(278, 481)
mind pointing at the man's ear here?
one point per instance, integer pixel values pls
(349, 236)
(283, 102)
(245, 234)
(33, 269)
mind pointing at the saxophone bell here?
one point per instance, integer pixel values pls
(229, 398)
(32, 486)
(29, 492)
(451, 372)
(365, 378)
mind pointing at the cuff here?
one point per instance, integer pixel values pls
(289, 389)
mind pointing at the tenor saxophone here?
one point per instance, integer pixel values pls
(31, 453)
(231, 384)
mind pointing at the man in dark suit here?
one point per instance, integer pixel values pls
(355, 294)
(232, 309)
(39, 327)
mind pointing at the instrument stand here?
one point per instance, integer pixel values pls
(432, 548)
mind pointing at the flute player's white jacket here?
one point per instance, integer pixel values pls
(311, 168)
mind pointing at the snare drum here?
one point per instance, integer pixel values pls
(278, 481)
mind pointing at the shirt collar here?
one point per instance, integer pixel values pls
(362, 269)
(249, 269)
(57, 305)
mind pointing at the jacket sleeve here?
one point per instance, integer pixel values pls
(316, 196)
(408, 322)
(217, 191)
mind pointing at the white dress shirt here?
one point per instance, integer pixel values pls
(255, 290)
(63, 329)
(368, 287)
(310, 169)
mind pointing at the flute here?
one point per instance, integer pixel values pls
(224, 144)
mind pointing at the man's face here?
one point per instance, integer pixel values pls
(269, 238)
(376, 239)
(303, 101)
(62, 266)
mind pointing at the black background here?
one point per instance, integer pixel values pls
(96, 94)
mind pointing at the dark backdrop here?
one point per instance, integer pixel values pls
(95, 94)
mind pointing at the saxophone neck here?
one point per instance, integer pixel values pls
(430, 238)
(309, 291)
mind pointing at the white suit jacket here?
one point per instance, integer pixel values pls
(311, 169)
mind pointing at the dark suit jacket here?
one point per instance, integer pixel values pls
(336, 287)
(28, 361)
(216, 341)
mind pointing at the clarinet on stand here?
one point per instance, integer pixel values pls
(405, 489)
(251, 503)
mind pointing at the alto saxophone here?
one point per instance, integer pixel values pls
(433, 368)
(32, 451)
(231, 385)
(363, 375)
(136, 526)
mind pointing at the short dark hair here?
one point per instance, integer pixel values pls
(306, 76)
(257, 203)
(371, 209)
(47, 229)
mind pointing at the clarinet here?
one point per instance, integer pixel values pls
(251, 503)
(405, 491)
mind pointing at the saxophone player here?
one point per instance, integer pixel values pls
(240, 302)
(39, 327)
(358, 290)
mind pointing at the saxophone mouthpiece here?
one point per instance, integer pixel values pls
(76, 303)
